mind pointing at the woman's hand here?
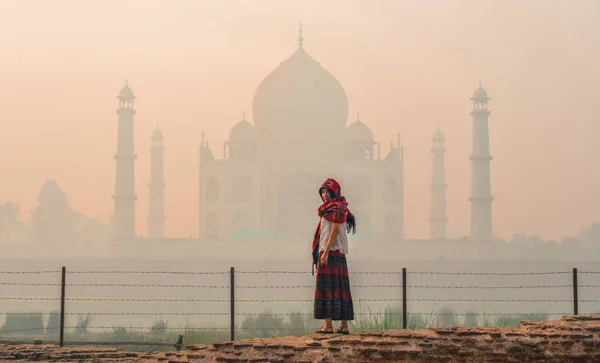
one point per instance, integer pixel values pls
(324, 257)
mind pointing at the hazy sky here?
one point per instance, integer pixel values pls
(407, 65)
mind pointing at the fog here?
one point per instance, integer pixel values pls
(407, 66)
(201, 298)
(192, 136)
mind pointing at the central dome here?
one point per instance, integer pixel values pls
(300, 95)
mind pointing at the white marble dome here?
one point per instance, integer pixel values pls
(300, 95)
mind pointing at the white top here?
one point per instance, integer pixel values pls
(341, 242)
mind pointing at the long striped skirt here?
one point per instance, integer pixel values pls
(333, 299)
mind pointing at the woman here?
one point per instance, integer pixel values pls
(333, 300)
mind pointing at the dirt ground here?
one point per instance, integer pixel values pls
(570, 339)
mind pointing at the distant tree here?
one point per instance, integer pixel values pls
(518, 238)
(447, 318)
(83, 323)
(26, 323)
(525, 240)
(92, 235)
(60, 231)
(471, 318)
(590, 235)
(9, 221)
(53, 323)
(53, 219)
(24, 231)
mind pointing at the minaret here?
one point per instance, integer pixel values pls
(300, 38)
(156, 214)
(438, 218)
(481, 191)
(124, 197)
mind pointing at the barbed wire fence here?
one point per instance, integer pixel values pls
(221, 298)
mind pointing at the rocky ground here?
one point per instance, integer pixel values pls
(571, 339)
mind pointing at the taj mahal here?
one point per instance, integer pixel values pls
(264, 188)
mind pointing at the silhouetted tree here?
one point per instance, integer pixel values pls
(590, 235)
(523, 240)
(92, 235)
(53, 219)
(60, 231)
(9, 220)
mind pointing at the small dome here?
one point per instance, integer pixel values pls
(359, 132)
(438, 135)
(126, 93)
(480, 92)
(157, 134)
(243, 131)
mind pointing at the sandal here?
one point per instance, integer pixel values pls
(344, 331)
(324, 330)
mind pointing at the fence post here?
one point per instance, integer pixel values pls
(179, 342)
(62, 306)
(404, 314)
(575, 293)
(232, 301)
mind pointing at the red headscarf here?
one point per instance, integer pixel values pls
(335, 210)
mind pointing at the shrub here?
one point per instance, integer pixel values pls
(159, 327)
(471, 318)
(53, 323)
(25, 323)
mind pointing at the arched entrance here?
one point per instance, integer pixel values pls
(242, 190)
(213, 191)
(211, 226)
(242, 223)
(391, 190)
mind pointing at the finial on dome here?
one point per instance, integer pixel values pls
(244, 116)
(300, 38)
(157, 134)
(438, 135)
(480, 93)
(357, 116)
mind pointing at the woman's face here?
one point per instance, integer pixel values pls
(326, 195)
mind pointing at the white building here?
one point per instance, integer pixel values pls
(265, 186)
(267, 182)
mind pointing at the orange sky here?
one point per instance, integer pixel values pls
(407, 65)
